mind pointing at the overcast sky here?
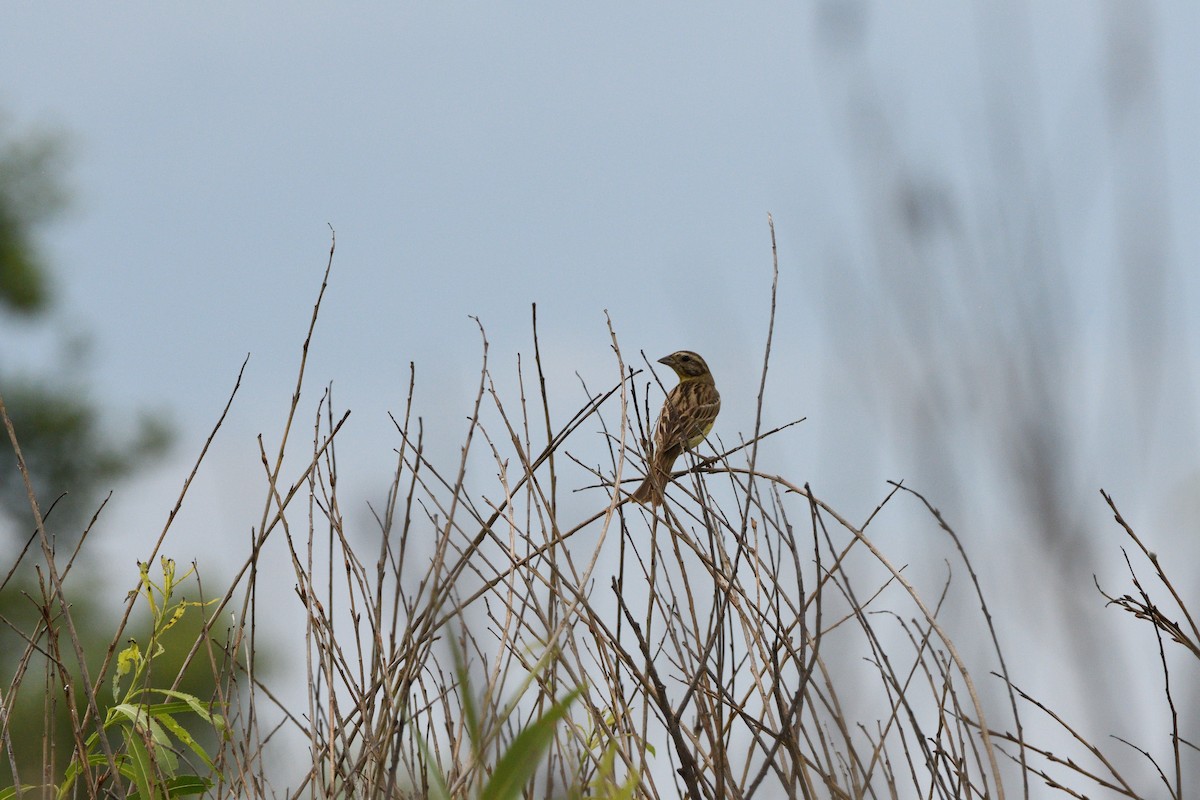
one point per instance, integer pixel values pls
(474, 159)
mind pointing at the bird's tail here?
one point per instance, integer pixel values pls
(651, 489)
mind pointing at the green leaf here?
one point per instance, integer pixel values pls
(127, 660)
(517, 766)
(141, 765)
(32, 788)
(176, 615)
(187, 785)
(194, 703)
(137, 714)
(191, 703)
(94, 759)
(143, 718)
(185, 738)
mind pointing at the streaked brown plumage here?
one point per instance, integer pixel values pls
(686, 418)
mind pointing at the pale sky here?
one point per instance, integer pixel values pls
(475, 159)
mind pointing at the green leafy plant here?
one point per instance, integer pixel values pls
(603, 782)
(516, 766)
(145, 718)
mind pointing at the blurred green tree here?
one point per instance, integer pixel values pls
(68, 445)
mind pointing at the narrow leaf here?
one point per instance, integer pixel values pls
(517, 766)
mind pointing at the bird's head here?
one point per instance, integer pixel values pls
(687, 365)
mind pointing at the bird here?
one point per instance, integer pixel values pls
(686, 418)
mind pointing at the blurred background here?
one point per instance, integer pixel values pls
(987, 220)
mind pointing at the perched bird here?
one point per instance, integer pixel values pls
(686, 418)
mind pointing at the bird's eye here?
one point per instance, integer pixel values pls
(685, 358)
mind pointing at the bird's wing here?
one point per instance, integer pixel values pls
(687, 414)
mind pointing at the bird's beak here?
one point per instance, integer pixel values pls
(666, 360)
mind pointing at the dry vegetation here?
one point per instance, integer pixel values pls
(478, 645)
